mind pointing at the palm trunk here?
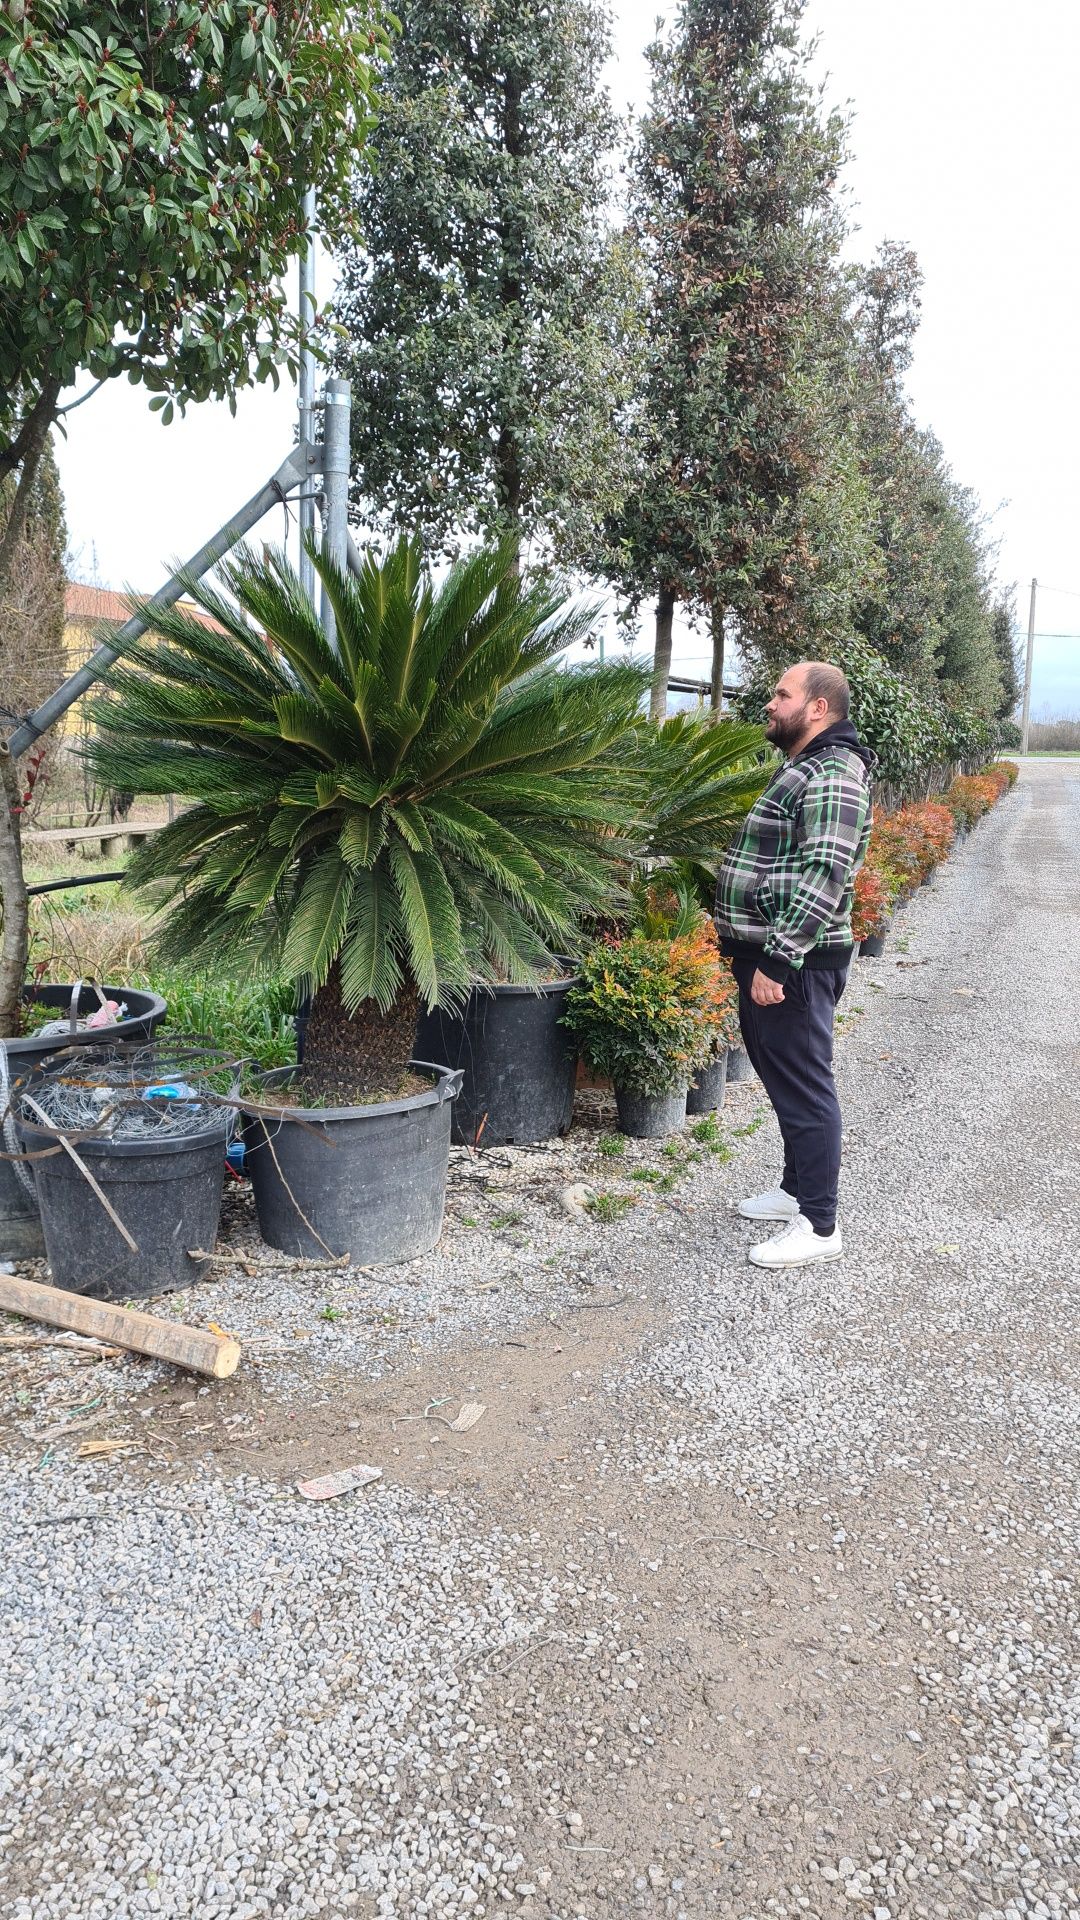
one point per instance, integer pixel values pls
(716, 693)
(665, 610)
(16, 937)
(350, 1058)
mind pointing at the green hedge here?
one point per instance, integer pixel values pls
(920, 742)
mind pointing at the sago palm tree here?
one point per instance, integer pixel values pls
(704, 775)
(429, 800)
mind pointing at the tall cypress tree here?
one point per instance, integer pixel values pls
(927, 608)
(1003, 631)
(488, 309)
(734, 174)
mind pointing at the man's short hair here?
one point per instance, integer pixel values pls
(822, 682)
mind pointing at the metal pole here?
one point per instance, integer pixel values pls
(337, 401)
(1025, 724)
(302, 462)
(307, 383)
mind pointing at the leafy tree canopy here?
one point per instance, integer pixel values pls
(491, 313)
(734, 176)
(153, 161)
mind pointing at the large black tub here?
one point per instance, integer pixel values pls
(20, 1227)
(368, 1183)
(519, 1064)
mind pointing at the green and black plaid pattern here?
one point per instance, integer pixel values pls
(786, 886)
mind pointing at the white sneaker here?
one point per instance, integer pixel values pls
(797, 1245)
(774, 1205)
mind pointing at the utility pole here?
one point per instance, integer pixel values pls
(1025, 724)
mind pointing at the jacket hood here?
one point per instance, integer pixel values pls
(840, 734)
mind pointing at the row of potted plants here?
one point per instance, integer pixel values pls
(907, 845)
(416, 824)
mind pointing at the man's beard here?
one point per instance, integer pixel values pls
(786, 734)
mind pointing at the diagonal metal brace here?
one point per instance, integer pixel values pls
(303, 461)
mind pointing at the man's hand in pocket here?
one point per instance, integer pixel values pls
(765, 992)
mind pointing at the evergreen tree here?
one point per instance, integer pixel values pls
(488, 311)
(1003, 632)
(926, 605)
(734, 174)
(32, 599)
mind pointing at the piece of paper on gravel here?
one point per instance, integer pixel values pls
(327, 1485)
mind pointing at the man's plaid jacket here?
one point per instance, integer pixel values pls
(784, 891)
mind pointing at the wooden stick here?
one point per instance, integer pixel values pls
(190, 1347)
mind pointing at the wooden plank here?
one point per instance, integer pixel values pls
(215, 1355)
(69, 836)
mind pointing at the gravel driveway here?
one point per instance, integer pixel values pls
(748, 1596)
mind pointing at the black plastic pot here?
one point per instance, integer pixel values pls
(707, 1089)
(873, 946)
(166, 1191)
(738, 1064)
(20, 1228)
(366, 1182)
(650, 1116)
(518, 1063)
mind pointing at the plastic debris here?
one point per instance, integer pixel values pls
(328, 1485)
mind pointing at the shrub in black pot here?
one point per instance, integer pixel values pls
(645, 1014)
(429, 801)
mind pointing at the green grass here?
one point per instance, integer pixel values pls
(250, 1019)
(611, 1145)
(611, 1206)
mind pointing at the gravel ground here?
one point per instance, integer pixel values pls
(747, 1596)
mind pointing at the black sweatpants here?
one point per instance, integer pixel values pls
(791, 1048)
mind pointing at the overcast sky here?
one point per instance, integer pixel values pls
(964, 147)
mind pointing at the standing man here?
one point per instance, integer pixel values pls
(783, 913)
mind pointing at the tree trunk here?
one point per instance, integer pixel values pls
(16, 937)
(348, 1059)
(508, 446)
(33, 438)
(716, 695)
(665, 609)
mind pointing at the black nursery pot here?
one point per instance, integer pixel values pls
(708, 1087)
(21, 1237)
(367, 1182)
(518, 1063)
(166, 1191)
(738, 1065)
(650, 1116)
(873, 946)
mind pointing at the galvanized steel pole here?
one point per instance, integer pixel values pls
(307, 383)
(336, 404)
